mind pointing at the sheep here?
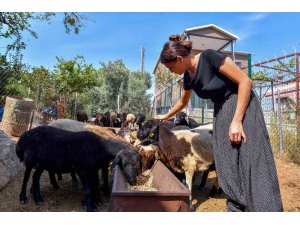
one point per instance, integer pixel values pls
(140, 119)
(118, 120)
(181, 118)
(150, 154)
(75, 126)
(123, 120)
(112, 118)
(98, 119)
(80, 116)
(105, 119)
(185, 150)
(206, 134)
(130, 118)
(144, 133)
(53, 149)
(205, 130)
(181, 127)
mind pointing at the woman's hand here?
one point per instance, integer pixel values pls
(161, 117)
(236, 132)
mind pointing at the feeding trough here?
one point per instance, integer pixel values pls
(171, 194)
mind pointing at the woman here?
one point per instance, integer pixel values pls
(242, 151)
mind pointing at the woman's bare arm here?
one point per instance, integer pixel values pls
(182, 102)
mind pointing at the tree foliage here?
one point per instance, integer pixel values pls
(164, 77)
(118, 80)
(83, 86)
(10, 69)
(138, 98)
(115, 77)
(13, 24)
(75, 76)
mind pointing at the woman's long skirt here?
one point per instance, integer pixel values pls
(246, 172)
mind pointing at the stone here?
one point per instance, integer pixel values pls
(4, 176)
(9, 162)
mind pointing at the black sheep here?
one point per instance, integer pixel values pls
(140, 119)
(182, 119)
(60, 151)
(82, 117)
(105, 119)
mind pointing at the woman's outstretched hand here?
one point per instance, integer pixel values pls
(236, 132)
(160, 117)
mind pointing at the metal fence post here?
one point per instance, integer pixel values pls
(37, 93)
(279, 120)
(202, 109)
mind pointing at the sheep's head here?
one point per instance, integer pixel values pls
(181, 119)
(130, 162)
(149, 155)
(148, 130)
(140, 119)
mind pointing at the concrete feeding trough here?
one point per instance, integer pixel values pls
(172, 195)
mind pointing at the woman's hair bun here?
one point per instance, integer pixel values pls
(174, 37)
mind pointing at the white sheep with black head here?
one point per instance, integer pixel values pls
(185, 151)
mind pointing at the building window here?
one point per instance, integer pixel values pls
(239, 64)
(158, 107)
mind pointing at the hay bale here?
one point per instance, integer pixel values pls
(17, 114)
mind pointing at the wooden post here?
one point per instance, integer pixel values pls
(36, 99)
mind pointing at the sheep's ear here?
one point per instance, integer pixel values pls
(117, 159)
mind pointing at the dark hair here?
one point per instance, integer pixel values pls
(173, 48)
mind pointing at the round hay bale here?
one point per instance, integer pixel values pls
(16, 116)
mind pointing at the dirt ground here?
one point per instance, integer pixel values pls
(69, 196)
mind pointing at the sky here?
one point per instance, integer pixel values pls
(112, 36)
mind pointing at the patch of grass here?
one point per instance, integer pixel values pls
(290, 141)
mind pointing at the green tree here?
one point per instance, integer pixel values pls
(25, 85)
(164, 77)
(75, 77)
(138, 99)
(115, 77)
(12, 27)
(12, 68)
(13, 24)
(118, 80)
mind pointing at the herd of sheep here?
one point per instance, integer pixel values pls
(69, 146)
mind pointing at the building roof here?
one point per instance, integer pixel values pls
(207, 37)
